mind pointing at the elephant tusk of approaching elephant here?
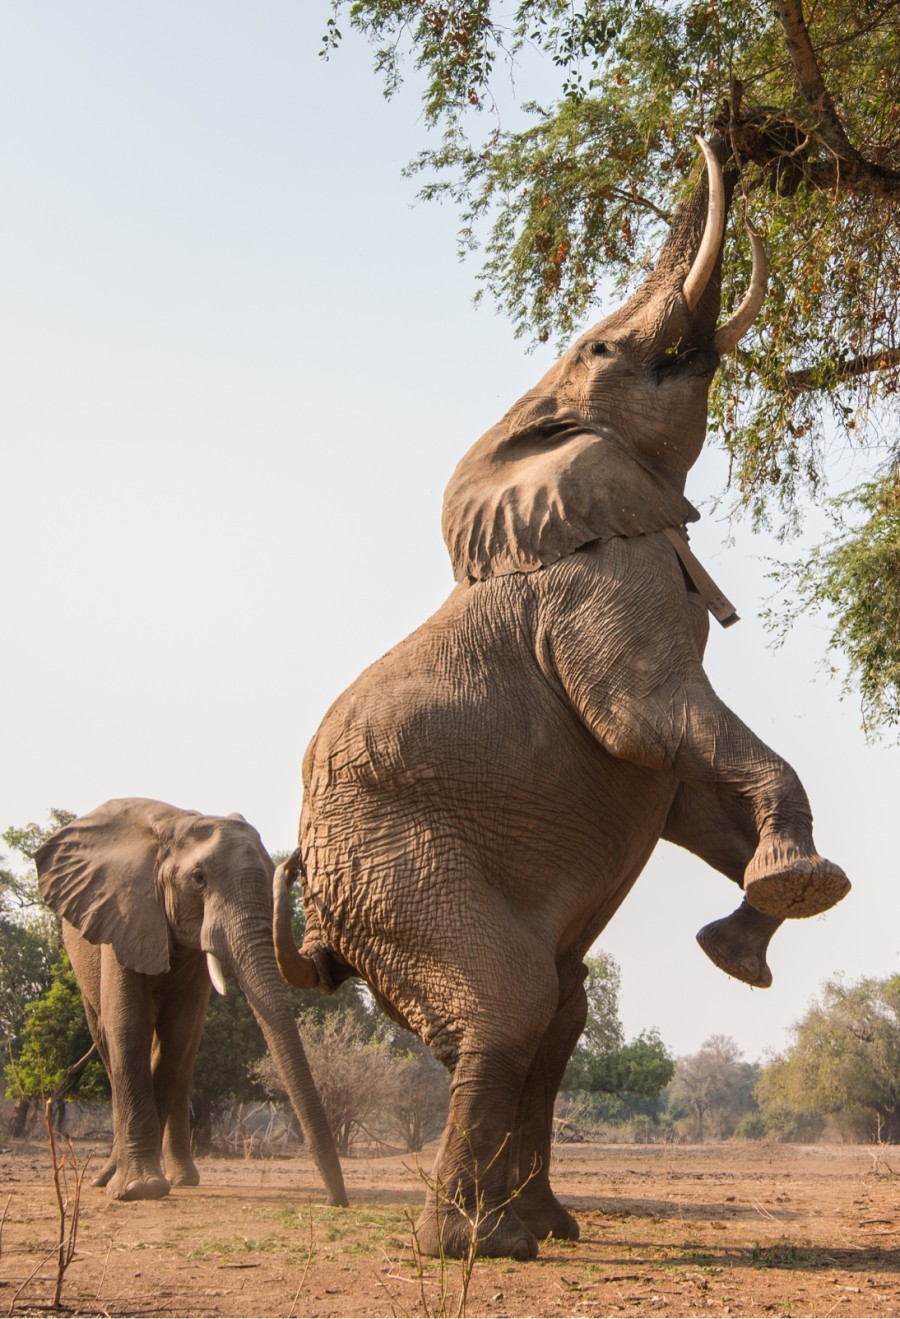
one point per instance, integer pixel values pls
(739, 322)
(707, 253)
(216, 975)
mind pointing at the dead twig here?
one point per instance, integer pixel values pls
(68, 1225)
(106, 1263)
(3, 1220)
(310, 1252)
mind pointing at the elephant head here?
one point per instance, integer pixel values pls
(144, 877)
(601, 446)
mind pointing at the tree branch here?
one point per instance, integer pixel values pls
(809, 76)
(849, 168)
(799, 381)
(863, 181)
(645, 202)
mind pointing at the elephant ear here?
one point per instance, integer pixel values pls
(540, 485)
(99, 872)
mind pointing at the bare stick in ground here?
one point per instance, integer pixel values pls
(68, 1223)
(3, 1220)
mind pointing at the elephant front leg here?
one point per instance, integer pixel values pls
(127, 1013)
(627, 641)
(721, 831)
(696, 737)
(179, 1027)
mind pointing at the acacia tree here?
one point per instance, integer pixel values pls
(845, 1058)
(579, 190)
(714, 1086)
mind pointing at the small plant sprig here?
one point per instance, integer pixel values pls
(69, 1206)
(475, 1217)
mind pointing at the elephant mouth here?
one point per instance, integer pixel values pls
(693, 362)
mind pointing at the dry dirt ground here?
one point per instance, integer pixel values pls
(737, 1229)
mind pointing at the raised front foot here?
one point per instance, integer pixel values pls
(544, 1216)
(444, 1232)
(737, 944)
(781, 880)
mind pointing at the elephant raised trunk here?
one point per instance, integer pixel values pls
(685, 310)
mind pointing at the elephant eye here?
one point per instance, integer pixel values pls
(599, 348)
(198, 880)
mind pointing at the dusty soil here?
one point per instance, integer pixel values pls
(738, 1229)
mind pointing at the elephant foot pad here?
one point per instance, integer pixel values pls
(804, 886)
(448, 1235)
(143, 1188)
(746, 964)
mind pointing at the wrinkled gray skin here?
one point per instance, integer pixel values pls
(149, 894)
(480, 801)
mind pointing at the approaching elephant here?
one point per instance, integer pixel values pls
(154, 901)
(480, 801)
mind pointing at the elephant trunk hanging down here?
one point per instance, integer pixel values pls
(480, 801)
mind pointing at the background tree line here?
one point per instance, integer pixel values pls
(840, 1075)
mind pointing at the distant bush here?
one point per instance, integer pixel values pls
(375, 1086)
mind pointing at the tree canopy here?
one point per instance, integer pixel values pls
(572, 189)
(714, 1086)
(845, 1058)
(30, 938)
(602, 1062)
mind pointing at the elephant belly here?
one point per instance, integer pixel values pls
(452, 780)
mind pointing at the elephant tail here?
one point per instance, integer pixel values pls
(297, 968)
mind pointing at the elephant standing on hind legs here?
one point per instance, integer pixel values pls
(481, 800)
(154, 901)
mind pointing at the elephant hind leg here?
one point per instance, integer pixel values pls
(509, 998)
(104, 1176)
(465, 1213)
(535, 1202)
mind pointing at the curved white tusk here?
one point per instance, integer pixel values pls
(705, 260)
(214, 966)
(742, 317)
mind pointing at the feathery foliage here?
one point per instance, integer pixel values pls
(564, 133)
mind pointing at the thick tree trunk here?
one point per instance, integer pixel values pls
(889, 1125)
(19, 1121)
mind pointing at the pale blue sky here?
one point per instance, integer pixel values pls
(237, 367)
